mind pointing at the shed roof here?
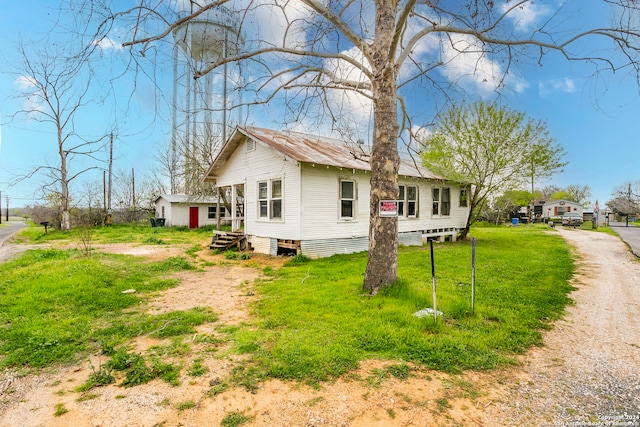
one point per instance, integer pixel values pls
(186, 198)
(311, 149)
(563, 202)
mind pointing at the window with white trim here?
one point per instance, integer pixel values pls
(347, 199)
(464, 198)
(441, 202)
(408, 201)
(263, 199)
(276, 199)
(212, 212)
(445, 208)
(270, 199)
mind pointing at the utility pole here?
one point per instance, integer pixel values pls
(104, 190)
(133, 187)
(7, 199)
(629, 200)
(109, 215)
(0, 207)
(110, 169)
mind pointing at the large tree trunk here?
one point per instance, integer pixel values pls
(382, 264)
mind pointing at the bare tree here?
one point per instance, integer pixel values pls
(626, 199)
(55, 91)
(378, 52)
(547, 192)
(578, 193)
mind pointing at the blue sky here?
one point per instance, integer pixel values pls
(595, 118)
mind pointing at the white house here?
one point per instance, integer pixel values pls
(191, 211)
(311, 194)
(560, 207)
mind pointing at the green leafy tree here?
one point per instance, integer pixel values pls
(487, 146)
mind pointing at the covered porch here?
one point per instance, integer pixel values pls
(232, 197)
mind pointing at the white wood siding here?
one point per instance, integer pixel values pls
(263, 164)
(320, 213)
(311, 204)
(425, 221)
(162, 202)
(177, 214)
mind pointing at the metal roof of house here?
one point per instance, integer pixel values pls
(312, 149)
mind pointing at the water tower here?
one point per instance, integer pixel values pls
(199, 42)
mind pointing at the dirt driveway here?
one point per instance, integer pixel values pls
(589, 369)
(588, 372)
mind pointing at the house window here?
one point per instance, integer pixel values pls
(263, 199)
(441, 202)
(445, 209)
(212, 211)
(276, 199)
(347, 199)
(408, 198)
(464, 198)
(435, 210)
(162, 216)
(270, 199)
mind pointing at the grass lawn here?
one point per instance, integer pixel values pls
(117, 233)
(311, 323)
(56, 305)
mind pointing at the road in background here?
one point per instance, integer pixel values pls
(7, 231)
(630, 235)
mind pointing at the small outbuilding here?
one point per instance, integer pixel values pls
(558, 208)
(310, 194)
(188, 211)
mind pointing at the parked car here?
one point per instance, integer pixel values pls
(572, 219)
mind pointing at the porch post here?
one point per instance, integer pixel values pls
(217, 208)
(234, 209)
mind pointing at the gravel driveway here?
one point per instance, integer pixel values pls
(588, 373)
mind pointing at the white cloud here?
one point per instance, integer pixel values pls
(564, 85)
(526, 16)
(25, 82)
(466, 64)
(32, 103)
(106, 43)
(421, 132)
(354, 107)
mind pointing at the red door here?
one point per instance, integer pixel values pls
(193, 217)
